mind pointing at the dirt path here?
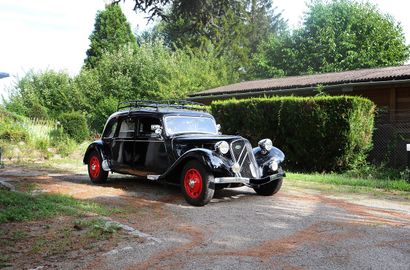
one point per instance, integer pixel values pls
(296, 229)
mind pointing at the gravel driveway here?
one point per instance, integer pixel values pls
(295, 229)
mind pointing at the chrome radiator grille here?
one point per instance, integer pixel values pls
(241, 152)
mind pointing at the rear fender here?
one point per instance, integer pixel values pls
(94, 146)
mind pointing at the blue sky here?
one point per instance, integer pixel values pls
(50, 34)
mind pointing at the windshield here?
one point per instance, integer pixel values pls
(190, 124)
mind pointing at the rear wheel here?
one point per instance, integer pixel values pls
(270, 188)
(95, 170)
(197, 184)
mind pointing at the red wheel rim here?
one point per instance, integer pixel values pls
(94, 166)
(193, 183)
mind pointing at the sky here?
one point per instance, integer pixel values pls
(49, 34)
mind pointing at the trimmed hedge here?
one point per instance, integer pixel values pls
(74, 125)
(331, 133)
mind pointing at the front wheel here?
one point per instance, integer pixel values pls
(197, 184)
(270, 188)
(95, 170)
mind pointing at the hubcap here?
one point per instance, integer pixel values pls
(193, 183)
(94, 167)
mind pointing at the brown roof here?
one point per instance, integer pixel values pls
(362, 75)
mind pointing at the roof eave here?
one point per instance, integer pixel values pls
(299, 90)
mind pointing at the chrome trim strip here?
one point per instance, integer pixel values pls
(230, 180)
(153, 177)
(244, 158)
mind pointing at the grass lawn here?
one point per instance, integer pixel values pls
(340, 179)
(18, 206)
(344, 183)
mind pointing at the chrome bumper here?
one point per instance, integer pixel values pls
(249, 181)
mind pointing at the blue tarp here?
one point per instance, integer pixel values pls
(3, 75)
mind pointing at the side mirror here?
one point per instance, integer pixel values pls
(218, 127)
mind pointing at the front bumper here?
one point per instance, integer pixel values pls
(249, 181)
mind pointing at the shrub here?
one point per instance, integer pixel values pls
(315, 133)
(38, 111)
(12, 131)
(74, 125)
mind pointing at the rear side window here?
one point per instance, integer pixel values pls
(109, 131)
(127, 128)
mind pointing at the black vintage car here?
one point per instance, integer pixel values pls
(178, 143)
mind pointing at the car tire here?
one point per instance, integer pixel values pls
(95, 171)
(270, 188)
(197, 184)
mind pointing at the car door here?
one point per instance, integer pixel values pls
(110, 132)
(122, 149)
(150, 155)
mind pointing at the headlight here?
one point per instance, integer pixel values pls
(222, 147)
(265, 144)
(274, 166)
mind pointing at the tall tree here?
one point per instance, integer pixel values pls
(233, 28)
(336, 35)
(111, 32)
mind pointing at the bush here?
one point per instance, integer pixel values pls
(315, 133)
(74, 125)
(13, 132)
(11, 128)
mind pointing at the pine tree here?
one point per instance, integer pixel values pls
(111, 31)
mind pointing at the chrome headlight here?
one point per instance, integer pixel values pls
(265, 144)
(222, 147)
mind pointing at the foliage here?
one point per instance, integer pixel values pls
(230, 28)
(151, 71)
(74, 125)
(45, 94)
(111, 32)
(9, 130)
(335, 36)
(25, 207)
(21, 137)
(316, 133)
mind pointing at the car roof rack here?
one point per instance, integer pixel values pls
(163, 104)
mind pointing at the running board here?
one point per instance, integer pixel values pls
(153, 177)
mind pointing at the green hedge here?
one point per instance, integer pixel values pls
(74, 125)
(315, 133)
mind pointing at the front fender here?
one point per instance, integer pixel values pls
(214, 162)
(274, 154)
(265, 159)
(96, 145)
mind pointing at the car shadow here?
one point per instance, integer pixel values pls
(151, 190)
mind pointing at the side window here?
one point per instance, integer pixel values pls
(109, 131)
(144, 129)
(127, 128)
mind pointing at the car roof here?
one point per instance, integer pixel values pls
(159, 113)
